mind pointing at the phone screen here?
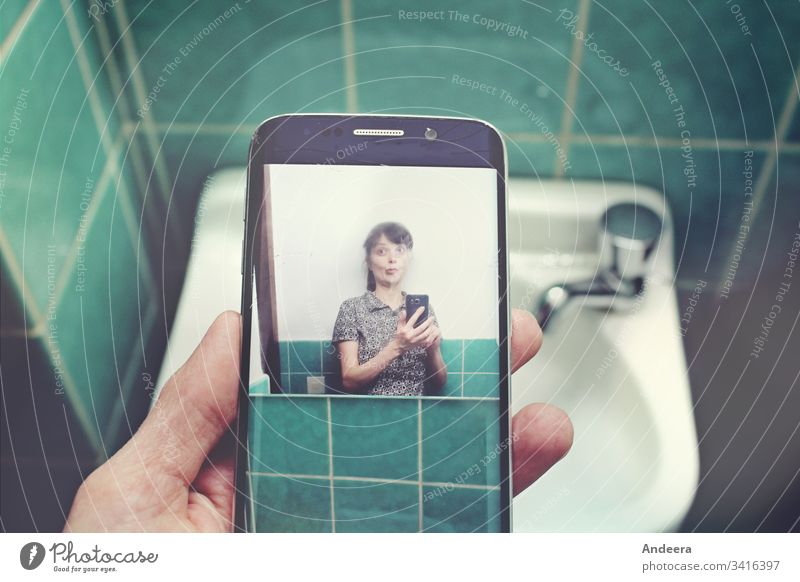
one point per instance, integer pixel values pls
(352, 425)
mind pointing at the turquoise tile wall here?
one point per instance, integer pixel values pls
(374, 464)
(78, 320)
(472, 366)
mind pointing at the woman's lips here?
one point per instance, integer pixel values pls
(391, 271)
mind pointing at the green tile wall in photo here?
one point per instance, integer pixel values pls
(291, 504)
(457, 510)
(289, 435)
(356, 460)
(375, 437)
(454, 446)
(364, 506)
(472, 367)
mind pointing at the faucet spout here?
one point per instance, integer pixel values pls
(628, 235)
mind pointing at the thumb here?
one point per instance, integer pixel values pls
(195, 407)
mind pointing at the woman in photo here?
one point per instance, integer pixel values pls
(380, 350)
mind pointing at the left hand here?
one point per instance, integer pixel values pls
(177, 472)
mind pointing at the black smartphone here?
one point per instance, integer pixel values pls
(414, 302)
(344, 213)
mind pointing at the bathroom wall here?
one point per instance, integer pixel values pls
(186, 85)
(472, 367)
(349, 464)
(77, 344)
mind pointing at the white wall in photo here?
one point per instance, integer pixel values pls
(321, 215)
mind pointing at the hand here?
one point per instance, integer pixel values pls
(177, 472)
(407, 336)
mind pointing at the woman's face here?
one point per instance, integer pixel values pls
(388, 262)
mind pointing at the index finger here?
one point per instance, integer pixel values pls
(416, 316)
(526, 338)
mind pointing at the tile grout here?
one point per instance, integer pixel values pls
(380, 397)
(131, 57)
(115, 79)
(16, 30)
(221, 129)
(348, 46)
(463, 352)
(85, 71)
(376, 480)
(420, 512)
(28, 301)
(573, 80)
(765, 175)
(330, 468)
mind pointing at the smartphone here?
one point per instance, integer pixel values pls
(344, 213)
(414, 302)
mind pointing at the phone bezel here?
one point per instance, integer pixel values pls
(266, 148)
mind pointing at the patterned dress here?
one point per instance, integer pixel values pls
(369, 321)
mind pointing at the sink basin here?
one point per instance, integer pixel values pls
(621, 377)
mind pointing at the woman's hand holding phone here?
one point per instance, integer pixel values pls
(407, 336)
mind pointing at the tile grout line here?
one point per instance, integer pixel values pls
(99, 115)
(700, 143)
(348, 45)
(568, 112)
(765, 175)
(330, 466)
(18, 278)
(463, 357)
(252, 525)
(133, 62)
(16, 31)
(405, 398)
(115, 78)
(251, 492)
(376, 480)
(420, 513)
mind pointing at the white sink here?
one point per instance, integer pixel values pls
(621, 377)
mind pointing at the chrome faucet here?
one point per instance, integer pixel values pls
(629, 233)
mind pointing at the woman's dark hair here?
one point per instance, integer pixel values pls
(395, 232)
